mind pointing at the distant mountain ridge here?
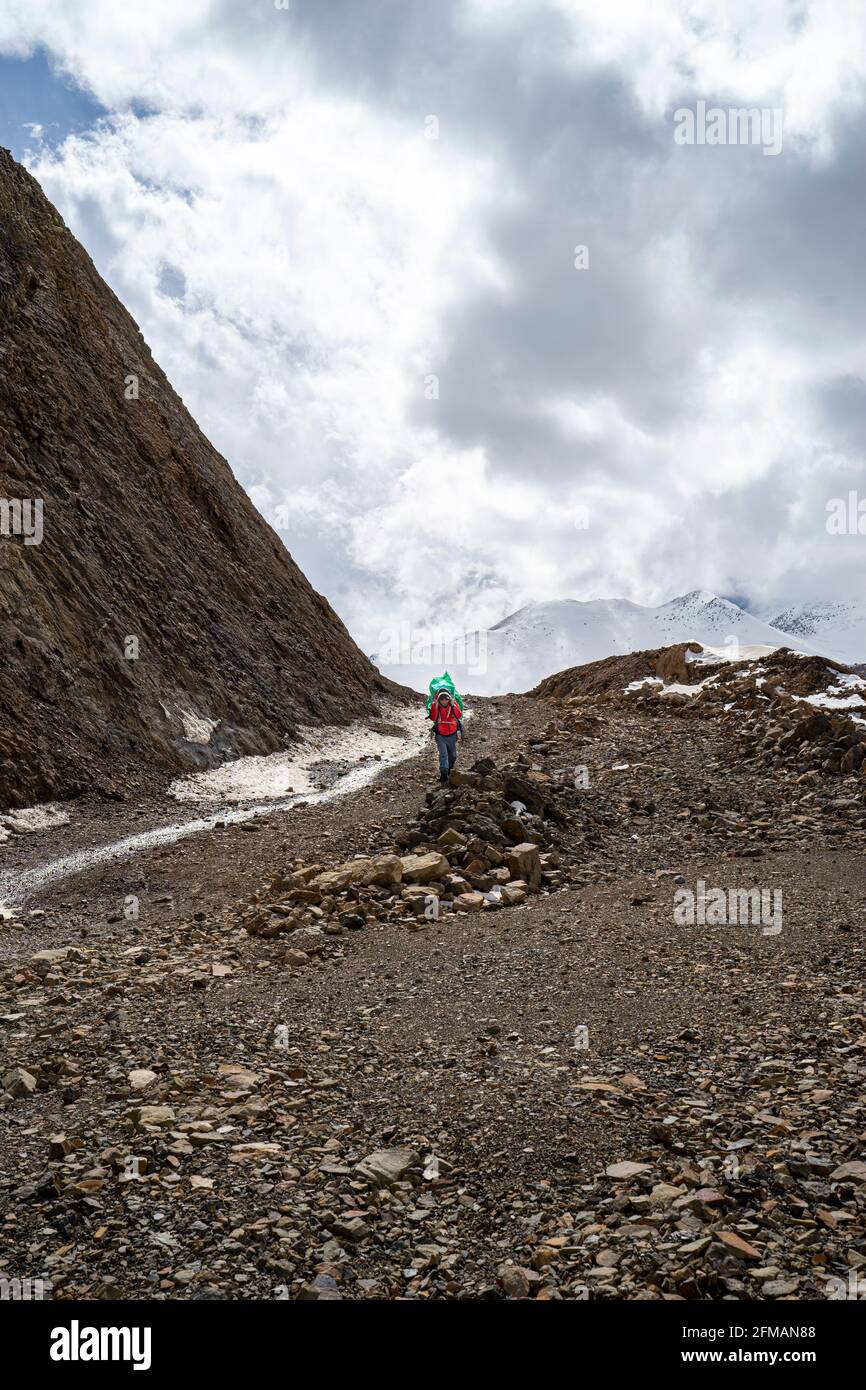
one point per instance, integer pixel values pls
(542, 638)
(836, 628)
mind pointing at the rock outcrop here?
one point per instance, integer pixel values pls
(613, 673)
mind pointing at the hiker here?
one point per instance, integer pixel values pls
(447, 724)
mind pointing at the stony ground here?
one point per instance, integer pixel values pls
(572, 1098)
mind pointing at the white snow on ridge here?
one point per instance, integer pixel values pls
(825, 700)
(836, 628)
(673, 688)
(735, 651)
(544, 638)
(846, 692)
(642, 684)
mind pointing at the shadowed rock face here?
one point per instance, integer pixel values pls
(145, 535)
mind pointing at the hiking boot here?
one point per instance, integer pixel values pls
(443, 778)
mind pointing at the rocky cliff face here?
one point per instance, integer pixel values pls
(150, 620)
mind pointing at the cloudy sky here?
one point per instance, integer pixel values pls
(348, 231)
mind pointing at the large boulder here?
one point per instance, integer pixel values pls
(336, 880)
(807, 730)
(524, 862)
(853, 1171)
(385, 1167)
(469, 902)
(147, 1115)
(382, 869)
(424, 868)
(19, 1082)
(513, 894)
(514, 829)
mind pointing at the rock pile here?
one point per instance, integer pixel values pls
(488, 839)
(774, 724)
(784, 709)
(816, 740)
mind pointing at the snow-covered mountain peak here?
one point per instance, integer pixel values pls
(834, 627)
(542, 638)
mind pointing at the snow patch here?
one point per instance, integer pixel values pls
(289, 773)
(733, 651)
(33, 818)
(844, 692)
(196, 728)
(677, 688)
(826, 699)
(674, 688)
(644, 681)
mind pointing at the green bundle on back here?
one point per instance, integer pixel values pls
(444, 682)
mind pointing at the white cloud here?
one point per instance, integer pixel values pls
(317, 253)
(300, 257)
(810, 57)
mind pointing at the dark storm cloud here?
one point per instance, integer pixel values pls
(575, 157)
(842, 407)
(789, 233)
(774, 244)
(580, 163)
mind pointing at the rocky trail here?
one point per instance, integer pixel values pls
(446, 1044)
(54, 851)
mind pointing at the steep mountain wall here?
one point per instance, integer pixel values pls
(157, 602)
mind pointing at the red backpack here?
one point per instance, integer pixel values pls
(445, 722)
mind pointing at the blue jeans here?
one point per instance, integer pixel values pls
(447, 745)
